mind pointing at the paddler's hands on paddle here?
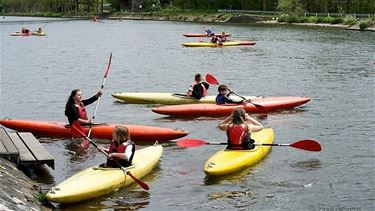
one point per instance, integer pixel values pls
(99, 93)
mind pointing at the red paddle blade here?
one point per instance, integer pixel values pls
(191, 142)
(109, 65)
(309, 145)
(78, 133)
(77, 130)
(138, 181)
(211, 79)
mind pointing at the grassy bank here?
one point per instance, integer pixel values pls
(174, 14)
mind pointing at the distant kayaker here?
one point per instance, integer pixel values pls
(208, 31)
(198, 88)
(222, 38)
(121, 150)
(214, 39)
(75, 106)
(239, 127)
(224, 96)
(25, 30)
(39, 31)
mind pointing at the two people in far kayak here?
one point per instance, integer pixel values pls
(224, 96)
(121, 150)
(198, 88)
(219, 39)
(239, 126)
(75, 106)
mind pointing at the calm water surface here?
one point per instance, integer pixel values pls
(333, 67)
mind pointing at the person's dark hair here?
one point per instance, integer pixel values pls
(197, 77)
(222, 87)
(238, 116)
(122, 133)
(70, 100)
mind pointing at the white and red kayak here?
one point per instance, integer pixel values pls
(262, 105)
(138, 133)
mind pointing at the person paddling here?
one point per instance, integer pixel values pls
(198, 88)
(208, 31)
(75, 106)
(239, 127)
(122, 149)
(224, 96)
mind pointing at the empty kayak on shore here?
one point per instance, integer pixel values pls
(267, 104)
(96, 181)
(229, 161)
(165, 98)
(138, 133)
(203, 35)
(224, 44)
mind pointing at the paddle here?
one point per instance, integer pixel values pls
(85, 142)
(308, 145)
(212, 80)
(78, 132)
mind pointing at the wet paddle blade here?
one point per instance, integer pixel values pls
(309, 145)
(78, 133)
(138, 181)
(184, 143)
(211, 79)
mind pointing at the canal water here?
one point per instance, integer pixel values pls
(334, 67)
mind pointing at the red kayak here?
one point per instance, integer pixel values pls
(245, 42)
(138, 133)
(203, 35)
(263, 105)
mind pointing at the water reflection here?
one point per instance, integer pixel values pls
(312, 164)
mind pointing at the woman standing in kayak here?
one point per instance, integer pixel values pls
(239, 127)
(121, 150)
(75, 106)
(198, 88)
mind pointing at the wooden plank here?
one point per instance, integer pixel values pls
(7, 143)
(25, 154)
(39, 152)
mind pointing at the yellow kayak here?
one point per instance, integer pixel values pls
(94, 181)
(229, 161)
(165, 98)
(38, 33)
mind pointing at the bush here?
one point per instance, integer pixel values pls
(312, 19)
(337, 20)
(349, 20)
(327, 20)
(364, 24)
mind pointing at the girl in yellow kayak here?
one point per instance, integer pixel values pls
(121, 150)
(239, 127)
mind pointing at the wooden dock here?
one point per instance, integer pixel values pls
(24, 149)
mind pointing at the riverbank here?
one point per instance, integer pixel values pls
(230, 18)
(17, 191)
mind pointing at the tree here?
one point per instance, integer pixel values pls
(291, 7)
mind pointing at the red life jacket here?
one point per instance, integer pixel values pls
(120, 148)
(82, 111)
(236, 135)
